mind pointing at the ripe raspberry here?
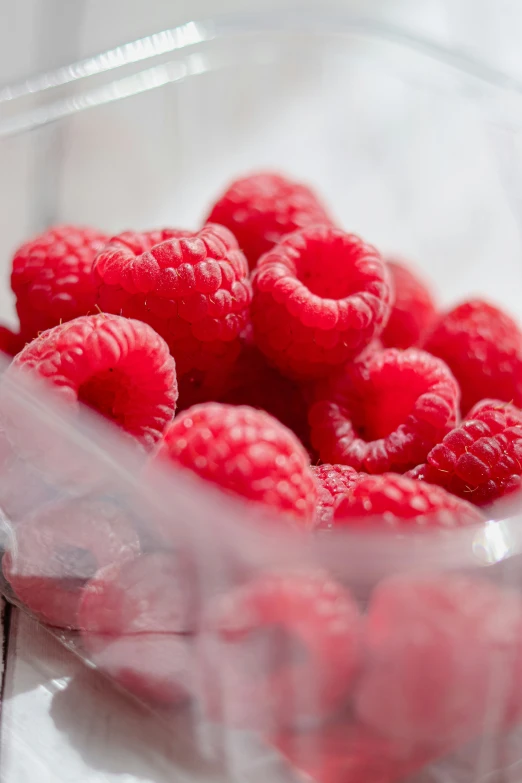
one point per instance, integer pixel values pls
(320, 297)
(262, 208)
(400, 503)
(279, 650)
(246, 452)
(333, 482)
(52, 277)
(56, 550)
(193, 289)
(10, 342)
(413, 311)
(131, 616)
(483, 348)
(382, 412)
(349, 752)
(481, 460)
(117, 366)
(251, 381)
(444, 657)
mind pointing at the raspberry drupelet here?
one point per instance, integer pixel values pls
(320, 297)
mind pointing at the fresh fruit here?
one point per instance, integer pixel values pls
(117, 366)
(483, 348)
(51, 277)
(193, 289)
(246, 452)
(443, 659)
(413, 311)
(57, 549)
(261, 208)
(320, 297)
(390, 501)
(334, 482)
(480, 460)
(11, 343)
(278, 651)
(382, 412)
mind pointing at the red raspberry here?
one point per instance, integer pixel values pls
(251, 381)
(349, 752)
(193, 289)
(56, 550)
(131, 616)
(333, 481)
(320, 297)
(10, 342)
(261, 208)
(413, 311)
(483, 348)
(444, 659)
(382, 412)
(279, 651)
(52, 277)
(246, 452)
(481, 460)
(400, 503)
(117, 366)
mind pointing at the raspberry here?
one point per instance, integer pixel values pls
(56, 550)
(52, 277)
(10, 342)
(320, 297)
(333, 482)
(349, 752)
(481, 460)
(443, 659)
(384, 411)
(246, 452)
(400, 503)
(262, 208)
(193, 289)
(117, 366)
(251, 381)
(131, 615)
(279, 650)
(413, 311)
(483, 348)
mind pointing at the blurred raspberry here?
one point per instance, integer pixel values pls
(278, 651)
(400, 503)
(320, 297)
(252, 381)
(52, 277)
(483, 348)
(444, 659)
(413, 311)
(119, 367)
(480, 460)
(56, 550)
(132, 615)
(246, 452)
(11, 343)
(334, 482)
(193, 289)
(261, 208)
(382, 412)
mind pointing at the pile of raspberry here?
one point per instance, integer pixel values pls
(290, 365)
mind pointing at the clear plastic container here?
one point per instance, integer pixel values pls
(418, 151)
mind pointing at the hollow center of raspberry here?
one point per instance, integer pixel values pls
(382, 408)
(328, 272)
(108, 393)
